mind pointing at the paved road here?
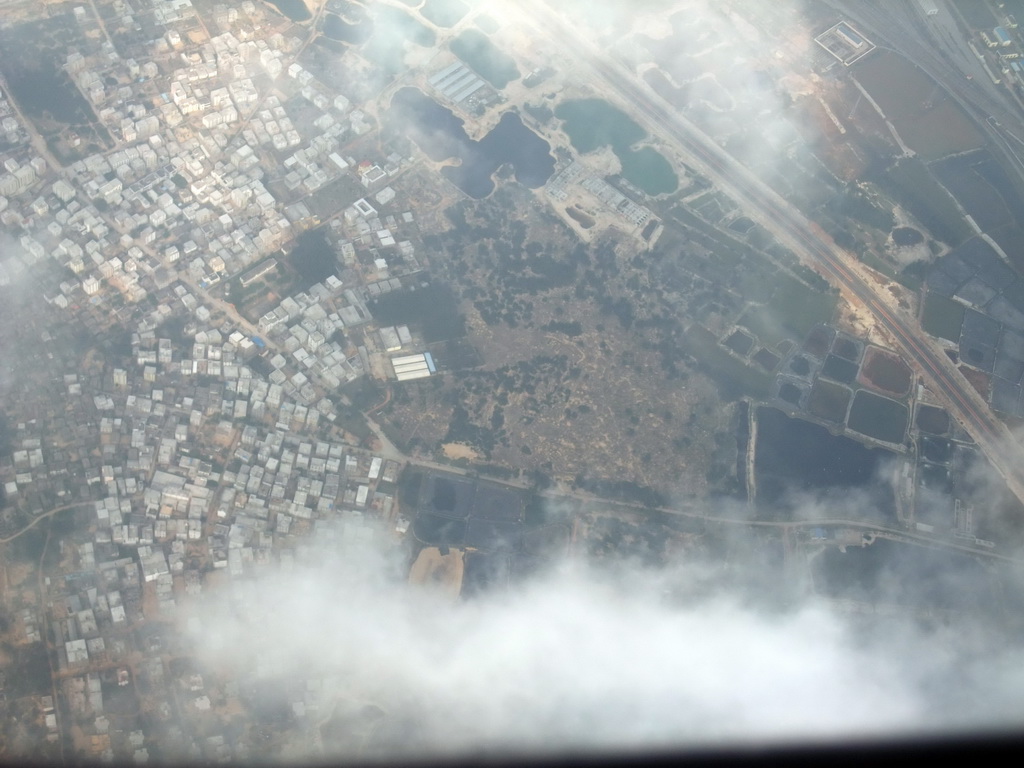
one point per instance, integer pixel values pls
(793, 229)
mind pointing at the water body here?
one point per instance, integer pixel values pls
(338, 29)
(878, 417)
(593, 123)
(440, 133)
(793, 454)
(295, 10)
(444, 13)
(904, 236)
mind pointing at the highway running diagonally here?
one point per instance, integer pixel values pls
(792, 228)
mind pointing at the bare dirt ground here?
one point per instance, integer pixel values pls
(460, 451)
(857, 320)
(564, 386)
(431, 568)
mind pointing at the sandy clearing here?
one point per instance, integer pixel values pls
(460, 451)
(444, 571)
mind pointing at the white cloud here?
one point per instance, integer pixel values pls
(593, 658)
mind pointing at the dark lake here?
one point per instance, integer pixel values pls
(337, 28)
(295, 10)
(441, 135)
(793, 454)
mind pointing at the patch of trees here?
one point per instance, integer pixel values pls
(854, 203)
(461, 429)
(433, 308)
(30, 674)
(621, 308)
(511, 311)
(497, 471)
(260, 365)
(409, 481)
(910, 182)
(569, 328)
(621, 490)
(363, 393)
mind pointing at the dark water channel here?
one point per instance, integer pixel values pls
(441, 135)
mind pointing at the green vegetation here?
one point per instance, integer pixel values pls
(942, 317)
(363, 393)
(313, 257)
(434, 308)
(621, 490)
(496, 471)
(755, 284)
(878, 417)
(727, 249)
(829, 401)
(903, 236)
(855, 203)
(238, 296)
(569, 328)
(492, 64)
(735, 378)
(353, 421)
(792, 311)
(912, 185)
(409, 481)
(927, 119)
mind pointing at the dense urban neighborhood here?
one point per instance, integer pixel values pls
(487, 286)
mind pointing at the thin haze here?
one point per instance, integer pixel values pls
(592, 656)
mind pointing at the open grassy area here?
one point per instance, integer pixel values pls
(790, 313)
(927, 119)
(734, 377)
(878, 417)
(728, 249)
(911, 184)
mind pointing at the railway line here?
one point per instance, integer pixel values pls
(792, 228)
